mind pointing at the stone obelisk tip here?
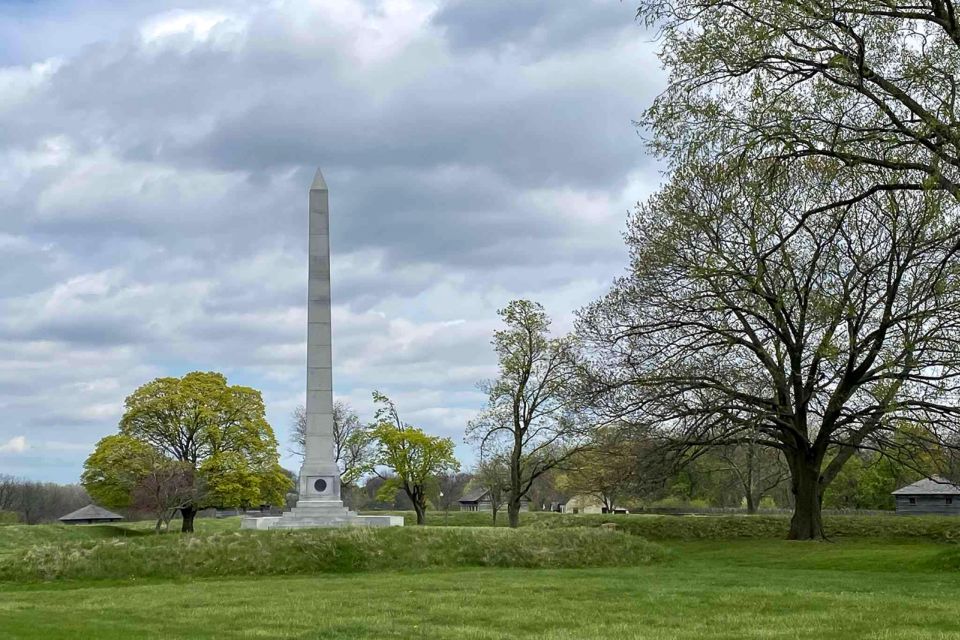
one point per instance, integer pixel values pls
(319, 184)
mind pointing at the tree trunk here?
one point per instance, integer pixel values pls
(421, 511)
(513, 512)
(807, 521)
(751, 503)
(608, 503)
(188, 514)
(495, 509)
(513, 500)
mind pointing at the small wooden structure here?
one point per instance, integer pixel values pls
(587, 504)
(479, 500)
(90, 514)
(933, 495)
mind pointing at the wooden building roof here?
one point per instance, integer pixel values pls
(91, 512)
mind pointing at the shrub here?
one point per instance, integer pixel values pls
(9, 517)
(244, 553)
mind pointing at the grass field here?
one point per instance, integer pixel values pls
(879, 587)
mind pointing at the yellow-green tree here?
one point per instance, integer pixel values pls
(414, 459)
(114, 469)
(219, 431)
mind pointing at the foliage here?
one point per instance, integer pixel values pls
(112, 472)
(218, 431)
(865, 482)
(414, 459)
(9, 517)
(530, 410)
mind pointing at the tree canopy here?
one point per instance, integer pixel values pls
(870, 84)
(219, 431)
(414, 459)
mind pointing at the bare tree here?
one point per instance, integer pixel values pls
(493, 476)
(165, 488)
(352, 450)
(750, 308)
(451, 486)
(757, 469)
(617, 464)
(530, 410)
(36, 502)
(870, 84)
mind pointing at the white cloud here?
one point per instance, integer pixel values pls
(16, 444)
(154, 163)
(191, 27)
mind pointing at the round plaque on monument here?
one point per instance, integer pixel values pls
(320, 485)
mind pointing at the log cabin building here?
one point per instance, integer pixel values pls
(934, 495)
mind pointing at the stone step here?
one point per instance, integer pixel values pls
(290, 521)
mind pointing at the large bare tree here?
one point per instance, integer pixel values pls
(754, 305)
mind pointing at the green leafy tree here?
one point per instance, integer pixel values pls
(413, 458)
(115, 468)
(219, 432)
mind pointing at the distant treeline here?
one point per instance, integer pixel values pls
(37, 502)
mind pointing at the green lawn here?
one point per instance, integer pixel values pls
(861, 588)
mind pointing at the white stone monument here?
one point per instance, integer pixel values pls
(319, 504)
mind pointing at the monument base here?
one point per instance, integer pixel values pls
(320, 513)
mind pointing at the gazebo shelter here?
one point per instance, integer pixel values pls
(90, 514)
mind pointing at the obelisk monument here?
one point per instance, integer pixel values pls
(319, 504)
(319, 475)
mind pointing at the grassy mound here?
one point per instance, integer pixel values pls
(15, 538)
(654, 527)
(327, 551)
(721, 527)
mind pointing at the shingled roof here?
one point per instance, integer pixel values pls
(91, 512)
(473, 496)
(934, 486)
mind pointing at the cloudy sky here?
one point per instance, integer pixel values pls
(154, 164)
